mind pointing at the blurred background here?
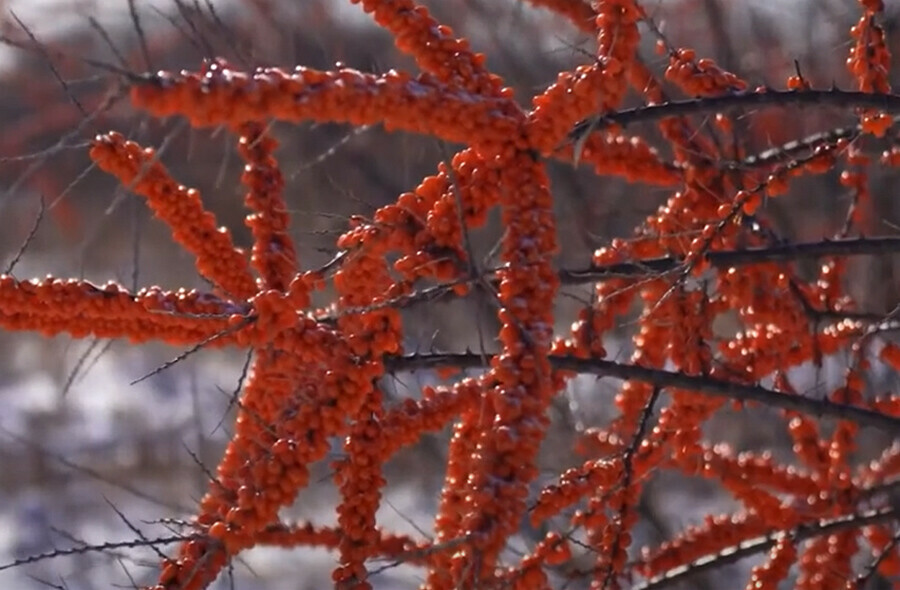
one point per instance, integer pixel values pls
(87, 458)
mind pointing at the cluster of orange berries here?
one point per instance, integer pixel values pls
(193, 227)
(870, 64)
(715, 535)
(761, 311)
(277, 435)
(364, 279)
(593, 89)
(436, 50)
(221, 95)
(424, 225)
(821, 160)
(628, 157)
(573, 484)
(768, 575)
(552, 550)
(497, 483)
(777, 327)
(700, 77)
(69, 306)
(881, 539)
(273, 253)
(870, 59)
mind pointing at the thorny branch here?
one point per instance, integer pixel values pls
(844, 99)
(711, 386)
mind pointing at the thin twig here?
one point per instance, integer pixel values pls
(845, 99)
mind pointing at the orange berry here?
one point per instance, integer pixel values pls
(890, 355)
(218, 530)
(751, 203)
(776, 185)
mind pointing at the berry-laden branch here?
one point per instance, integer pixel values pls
(758, 545)
(704, 293)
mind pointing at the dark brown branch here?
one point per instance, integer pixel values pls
(720, 259)
(880, 321)
(728, 258)
(785, 152)
(698, 384)
(85, 549)
(759, 545)
(845, 99)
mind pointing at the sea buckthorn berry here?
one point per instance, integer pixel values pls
(890, 354)
(218, 530)
(320, 383)
(169, 572)
(891, 157)
(776, 185)
(751, 202)
(877, 124)
(797, 83)
(724, 123)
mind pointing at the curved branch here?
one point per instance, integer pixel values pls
(844, 99)
(750, 547)
(727, 258)
(698, 384)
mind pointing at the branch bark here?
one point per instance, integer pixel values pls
(700, 384)
(843, 99)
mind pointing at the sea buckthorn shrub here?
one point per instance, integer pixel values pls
(631, 327)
